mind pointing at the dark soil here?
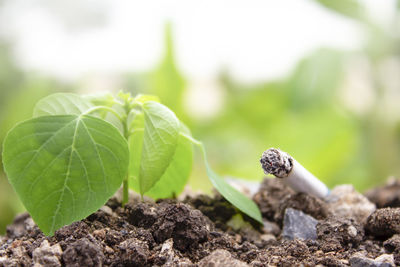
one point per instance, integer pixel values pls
(346, 230)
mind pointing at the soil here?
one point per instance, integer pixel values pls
(346, 230)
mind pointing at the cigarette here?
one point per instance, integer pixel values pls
(282, 165)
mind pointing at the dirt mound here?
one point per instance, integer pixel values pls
(205, 231)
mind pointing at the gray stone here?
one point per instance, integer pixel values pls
(344, 201)
(382, 261)
(297, 224)
(221, 257)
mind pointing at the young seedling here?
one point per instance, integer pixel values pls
(282, 165)
(76, 151)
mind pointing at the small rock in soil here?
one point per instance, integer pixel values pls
(270, 195)
(271, 228)
(133, 252)
(384, 222)
(18, 257)
(338, 233)
(387, 195)
(384, 260)
(83, 253)
(221, 257)
(344, 201)
(21, 226)
(296, 224)
(168, 258)
(47, 255)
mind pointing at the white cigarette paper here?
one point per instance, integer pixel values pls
(283, 166)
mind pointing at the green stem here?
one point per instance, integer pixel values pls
(125, 191)
(125, 184)
(191, 139)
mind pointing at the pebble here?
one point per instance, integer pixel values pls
(297, 224)
(384, 260)
(169, 258)
(271, 228)
(344, 201)
(167, 251)
(107, 210)
(268, 237)
(221, 257)
(47, 255)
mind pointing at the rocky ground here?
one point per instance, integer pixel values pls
(347, 229)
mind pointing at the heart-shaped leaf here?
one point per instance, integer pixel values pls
(62, 104)
(152, 144)
(64, 167)
(175, 177)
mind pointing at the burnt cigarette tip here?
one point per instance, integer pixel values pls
(276, 162)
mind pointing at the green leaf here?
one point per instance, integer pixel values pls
(62, 104)
(177, 174)
(64, 167)
(236, 198)
(153, 141)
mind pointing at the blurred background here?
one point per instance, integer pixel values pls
(319, 79)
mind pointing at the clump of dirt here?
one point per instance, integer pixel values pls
(384, 222)
(338, 233)
(270, 196)
(387, 195)
(207, 231)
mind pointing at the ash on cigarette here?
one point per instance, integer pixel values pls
(276, 162)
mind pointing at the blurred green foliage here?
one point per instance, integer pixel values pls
(305, 113)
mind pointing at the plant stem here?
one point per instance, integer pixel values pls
(125, 183)
(125, 191)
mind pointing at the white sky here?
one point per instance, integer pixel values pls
(254, 39)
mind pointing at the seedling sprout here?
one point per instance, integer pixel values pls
(76, 151)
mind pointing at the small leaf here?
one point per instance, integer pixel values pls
(177, 174)
(236, 198)
(100, 99)
(62, 104)
(64, 167)
(107, 100)
(152, 144)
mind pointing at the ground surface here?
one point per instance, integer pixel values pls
(344, 230)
